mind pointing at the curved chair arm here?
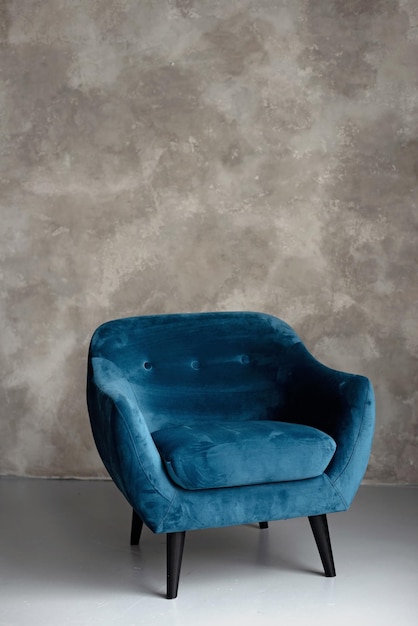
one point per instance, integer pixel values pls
(340, 404)
(354, 436)
(124, 442)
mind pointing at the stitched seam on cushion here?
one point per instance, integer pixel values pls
(357, 439)
(170, 458)
(193, 456)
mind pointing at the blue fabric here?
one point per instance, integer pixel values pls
(233, 454)
(151, 373)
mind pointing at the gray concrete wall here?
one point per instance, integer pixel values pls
(181, 155)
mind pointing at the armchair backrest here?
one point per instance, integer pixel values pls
(204, 366)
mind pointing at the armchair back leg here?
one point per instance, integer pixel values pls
(136, 528)
(175, 545)
(320, 531)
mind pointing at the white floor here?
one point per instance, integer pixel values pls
(65, 560)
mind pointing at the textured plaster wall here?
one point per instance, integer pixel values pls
(163, 156)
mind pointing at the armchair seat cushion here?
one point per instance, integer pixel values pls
(229, 454)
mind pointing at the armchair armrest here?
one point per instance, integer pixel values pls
(124, 442)
(340, 404)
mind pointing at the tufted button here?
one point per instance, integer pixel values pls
(245, 359)
(147, 365)
(195, 365)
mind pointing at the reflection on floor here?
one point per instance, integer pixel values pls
(65, 560)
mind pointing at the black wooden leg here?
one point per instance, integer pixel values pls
(136, 528)
(320, 531)
(264, 524)
(175, 545)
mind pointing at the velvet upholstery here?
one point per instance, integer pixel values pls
(152, 374)
(233, 454)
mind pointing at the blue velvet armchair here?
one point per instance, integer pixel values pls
(215, 419)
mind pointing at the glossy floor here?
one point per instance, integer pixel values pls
(65, 559)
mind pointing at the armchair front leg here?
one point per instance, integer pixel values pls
(320, 531)
(175, 545)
